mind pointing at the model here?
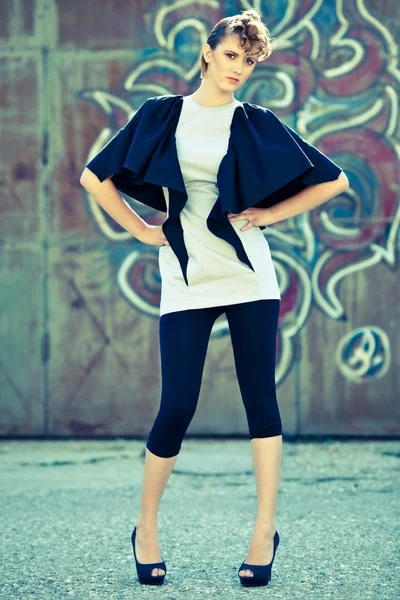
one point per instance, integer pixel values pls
(222, 170)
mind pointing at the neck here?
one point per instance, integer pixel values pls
(211, 95)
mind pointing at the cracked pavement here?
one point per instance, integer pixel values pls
(67, 509)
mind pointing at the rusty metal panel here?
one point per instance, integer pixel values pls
(95, 25)
(81, 305)
(17, 22)
(104, 378)
(21, 146)
(349, 376)
(22, 341)
(350, 379)
(387, 9)
(21, 268)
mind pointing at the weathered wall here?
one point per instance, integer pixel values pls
(80, 297)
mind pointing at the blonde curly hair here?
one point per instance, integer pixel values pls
(248, 26)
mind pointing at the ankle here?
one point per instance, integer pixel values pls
(266, 527)
(146, 523)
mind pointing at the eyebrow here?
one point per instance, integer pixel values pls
(233, 52)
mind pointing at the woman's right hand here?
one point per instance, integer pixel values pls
(154, 236)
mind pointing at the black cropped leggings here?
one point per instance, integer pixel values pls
(184, 337)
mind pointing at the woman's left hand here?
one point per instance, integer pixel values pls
(255, 216)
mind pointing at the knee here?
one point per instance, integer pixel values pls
(268, 430)
(162, 450)
(169, 428)
(166, 437)
(175, 417)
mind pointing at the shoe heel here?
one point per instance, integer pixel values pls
(262, 574)
(144, 569)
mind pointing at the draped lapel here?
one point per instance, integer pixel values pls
(254, 167)
(217, 221)
(165, 169)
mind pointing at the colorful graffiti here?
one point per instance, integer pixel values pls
(334, 77)
(364, 354)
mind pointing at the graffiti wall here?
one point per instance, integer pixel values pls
(80, 300)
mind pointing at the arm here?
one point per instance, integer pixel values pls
(107, 195)
(309, 198)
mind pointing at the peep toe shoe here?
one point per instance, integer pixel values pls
(262, 573)
(144, 569)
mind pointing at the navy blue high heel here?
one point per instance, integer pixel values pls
(144, 569)
(262, 573)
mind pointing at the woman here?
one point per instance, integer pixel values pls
(212, 162)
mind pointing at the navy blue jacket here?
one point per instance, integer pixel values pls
(266, 162)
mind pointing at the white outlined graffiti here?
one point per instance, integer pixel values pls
(364, 354)
(340, 89)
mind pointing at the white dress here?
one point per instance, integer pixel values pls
(216, 276)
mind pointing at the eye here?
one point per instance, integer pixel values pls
(234, 55)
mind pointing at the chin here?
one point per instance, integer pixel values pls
(231, 86)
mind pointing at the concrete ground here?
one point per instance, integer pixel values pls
(67, 509)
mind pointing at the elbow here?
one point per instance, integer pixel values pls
(86, 177)
(344, 182)
(89, 178)
(82, 179)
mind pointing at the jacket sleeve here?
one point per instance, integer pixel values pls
(110, 159)
(123, 159)
(305, 165)
(324, 169)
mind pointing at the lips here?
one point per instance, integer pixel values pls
(233, 79)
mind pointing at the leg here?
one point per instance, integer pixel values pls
(253, 327)
(184, 337)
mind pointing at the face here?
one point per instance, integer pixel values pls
(229, 60)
